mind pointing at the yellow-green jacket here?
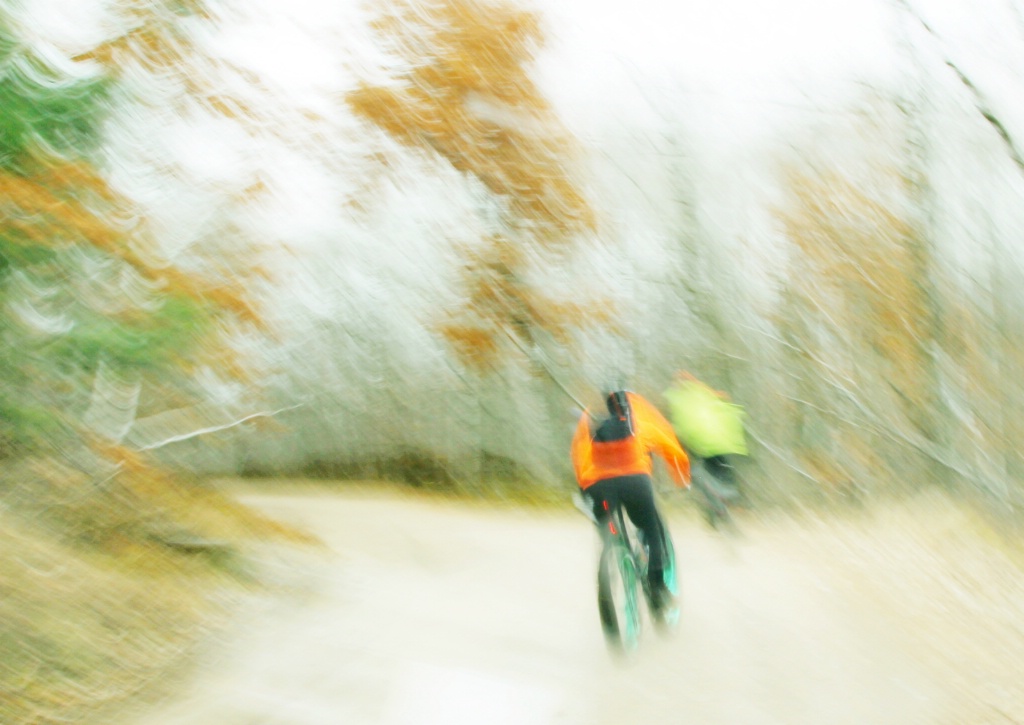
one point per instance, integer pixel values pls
(705, 423)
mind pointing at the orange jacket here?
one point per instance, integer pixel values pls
(596, 461)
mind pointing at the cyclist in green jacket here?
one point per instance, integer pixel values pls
(708, 425)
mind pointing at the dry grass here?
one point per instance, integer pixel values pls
(99, 595)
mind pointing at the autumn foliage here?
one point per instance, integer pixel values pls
(856, 261)
(82, 279)
(460, 88)
(859, 315)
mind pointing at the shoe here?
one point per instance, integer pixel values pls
(665, 600)
(666, 613)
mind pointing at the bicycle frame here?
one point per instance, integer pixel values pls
(618, 530)
(622, 566)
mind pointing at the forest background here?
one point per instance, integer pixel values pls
(410, 241)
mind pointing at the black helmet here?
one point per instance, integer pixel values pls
(619, 423)
(617, 402)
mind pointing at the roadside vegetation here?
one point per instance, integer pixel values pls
(110, 569)
(468, 271)
(105, 589)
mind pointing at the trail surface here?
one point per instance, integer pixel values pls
(425, 612)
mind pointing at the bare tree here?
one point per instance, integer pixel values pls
(859, 310)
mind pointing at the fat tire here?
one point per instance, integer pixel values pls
(617, 574)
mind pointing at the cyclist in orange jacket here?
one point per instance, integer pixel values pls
(612, 461)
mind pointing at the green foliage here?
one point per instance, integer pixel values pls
(73, 289)
(16, 255)
(25, 425)
(45, 109)
(150, 342)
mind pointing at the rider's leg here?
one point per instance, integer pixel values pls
(721, 468)
(715, 477)
(637, 496)
(604, 497)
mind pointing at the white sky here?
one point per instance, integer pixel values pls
(741, 66)
(745, 63)
(753, 53)
(745, 49)
(733, 69)
(606, 57)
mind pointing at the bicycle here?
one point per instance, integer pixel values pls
(716, 499)
(621, 567)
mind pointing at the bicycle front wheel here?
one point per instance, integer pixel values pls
(617, 599)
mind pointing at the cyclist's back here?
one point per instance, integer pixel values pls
(613, 466)
(621, 444)
(709, 425)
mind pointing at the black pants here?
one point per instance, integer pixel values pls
(721, 468)
(636, 495)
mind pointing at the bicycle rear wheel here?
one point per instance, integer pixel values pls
(617, 599)
(667, 617)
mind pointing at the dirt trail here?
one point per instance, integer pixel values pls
(426, 613)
